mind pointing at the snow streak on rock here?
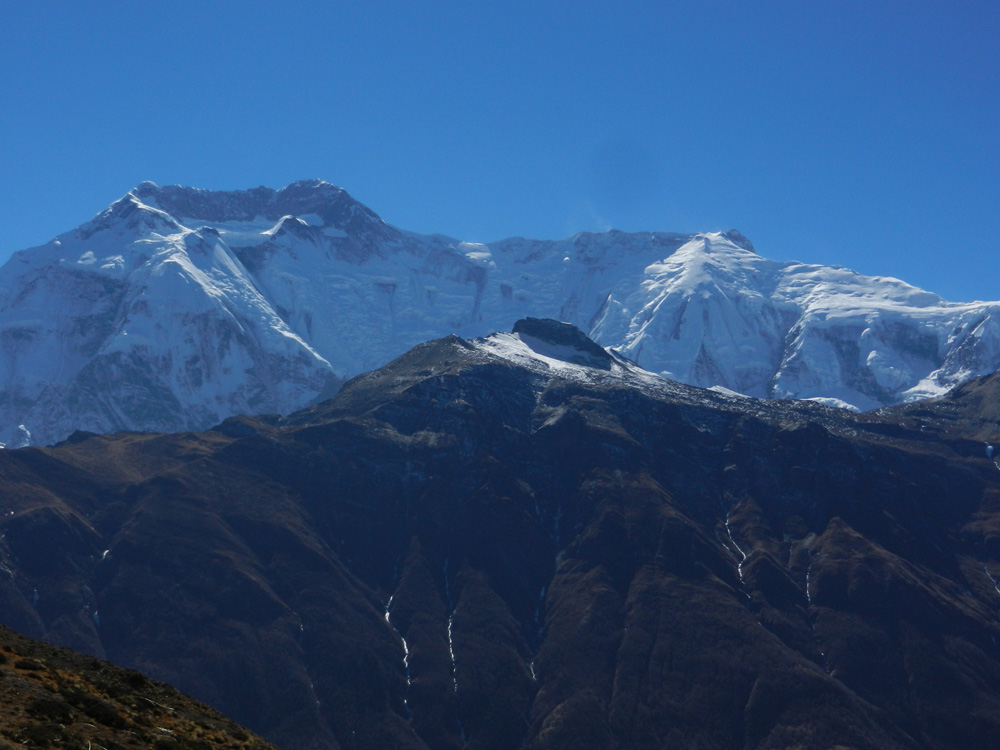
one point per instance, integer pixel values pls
(991, 455)
(993, 580)
(739, 550)
(451, 652)
(406, 647)
(809, 597)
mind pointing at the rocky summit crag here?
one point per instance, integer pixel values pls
(175, 308)
(517, 541)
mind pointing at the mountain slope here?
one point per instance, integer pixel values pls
(52, 697)
(134, 321)
(526, 540)
(175, 308)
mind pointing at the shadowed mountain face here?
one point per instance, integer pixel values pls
(517, 541)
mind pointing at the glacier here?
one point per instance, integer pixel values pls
(175, 308)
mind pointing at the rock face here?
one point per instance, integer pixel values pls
(175, 308)
(514, 542)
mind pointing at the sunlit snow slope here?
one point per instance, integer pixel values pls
(175, 308)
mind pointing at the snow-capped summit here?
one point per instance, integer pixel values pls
(716, 313)
(300, 198)
(175, 308)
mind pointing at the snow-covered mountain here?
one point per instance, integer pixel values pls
(175, 308)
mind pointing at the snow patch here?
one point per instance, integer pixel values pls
(836, 403)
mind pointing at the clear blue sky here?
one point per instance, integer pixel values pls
(863, 134)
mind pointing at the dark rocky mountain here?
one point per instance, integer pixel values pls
(54, 697)
(520, 541)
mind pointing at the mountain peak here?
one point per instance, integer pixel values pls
(739, 239)
(132, 212)
(323, 203)
(314, 183)
(558, 335)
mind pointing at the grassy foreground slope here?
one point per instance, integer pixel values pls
(55, 697)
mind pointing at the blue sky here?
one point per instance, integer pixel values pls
(851, 133)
